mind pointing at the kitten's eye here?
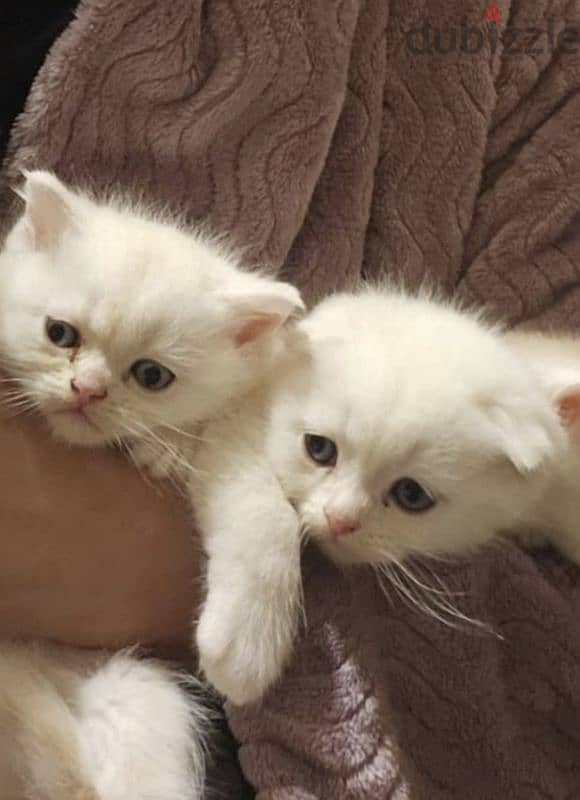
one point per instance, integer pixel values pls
(151, 375)
(61, 333)
(321, 450)
(410, 496)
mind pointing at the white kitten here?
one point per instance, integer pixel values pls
(117, 326)
(397, 426)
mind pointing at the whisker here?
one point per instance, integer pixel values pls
(435, 603)
(422, 563)
(10, 380)
(410, 599)
(12, 392)
(145, 433)
(18, 400)
(12, 413)
(187, 434)
(379, 575)
(127, 451)
(303, 537)
(413, 578)
(14, 398)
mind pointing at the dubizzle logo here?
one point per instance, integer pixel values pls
(472, 36)
(493, 14)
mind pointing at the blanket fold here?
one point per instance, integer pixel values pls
(334, 140)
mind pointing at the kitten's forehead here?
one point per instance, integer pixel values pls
(126, 314)
(375, 416)
(390, 346)
(130, 281)
(129, 254)
(400, 375)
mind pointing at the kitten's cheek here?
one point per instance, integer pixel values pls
(313, 521)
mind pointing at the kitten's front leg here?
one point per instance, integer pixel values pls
(249, 621)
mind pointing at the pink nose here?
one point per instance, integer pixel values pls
(341, 525)
(85, 395)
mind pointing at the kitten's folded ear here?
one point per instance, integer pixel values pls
(258, 306)
(568, 405)
(50, 209)
(528, 432)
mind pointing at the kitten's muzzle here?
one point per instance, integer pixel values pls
(341, 525)
(85, 394)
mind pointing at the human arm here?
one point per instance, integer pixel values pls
(90, 554)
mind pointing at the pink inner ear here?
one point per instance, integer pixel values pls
(254, 327)
(47, 214)
(569, 407)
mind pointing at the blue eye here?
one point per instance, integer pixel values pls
(411, 496)
(151, 375)
(61, 333)
(321, 450)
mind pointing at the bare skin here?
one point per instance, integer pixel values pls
(89, 553)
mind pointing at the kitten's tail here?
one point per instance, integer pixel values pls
(85, 726)
(144, 727)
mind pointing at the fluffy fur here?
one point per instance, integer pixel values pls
(89, 293)
(405, 388)
(78, 726)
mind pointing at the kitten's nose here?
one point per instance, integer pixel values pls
(341, 524)
(86, 394)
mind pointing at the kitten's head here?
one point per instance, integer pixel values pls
(412, 428)
(114, 324)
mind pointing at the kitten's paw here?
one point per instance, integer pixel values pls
(242, 656)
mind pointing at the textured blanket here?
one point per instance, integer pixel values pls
(336, 139)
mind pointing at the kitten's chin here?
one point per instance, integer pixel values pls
(338, 550)
(74, 428)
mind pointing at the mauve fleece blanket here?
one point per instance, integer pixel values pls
(336, 139)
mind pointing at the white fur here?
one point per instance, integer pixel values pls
(406, 387)
(79, 726)
(556, 515)
(91, 726)
(135, 287)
